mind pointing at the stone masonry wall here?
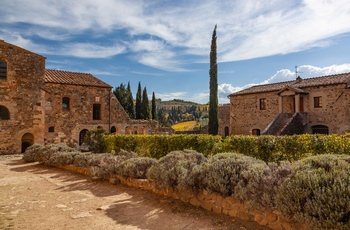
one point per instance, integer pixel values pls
(20, 94)
(246, 114)
(335, 111)
(224, 119)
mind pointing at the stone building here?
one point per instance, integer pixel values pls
(224, 120)
(51, 106)
(314, 105)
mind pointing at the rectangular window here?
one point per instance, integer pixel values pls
(65, 103)
(262, 103)
(3, 70)
(317, 102)
(96, 113)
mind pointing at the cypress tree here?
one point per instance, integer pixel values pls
(154, 108)
(145, 110)
(213, 125)
(138, 102)
(130, 102)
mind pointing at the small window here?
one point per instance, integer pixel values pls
(96, 113)
(262, 103)
(51, 129)
(317, 102)
(3, 70)
(65, 103)
(4, 113)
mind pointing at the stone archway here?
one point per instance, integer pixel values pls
(27, 140)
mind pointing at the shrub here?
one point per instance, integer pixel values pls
(318, 192)
(172, 170)
(43, 153)
(94, 139)
(135, 167)
(101, 166)
(82, 159)
(243, 177)
(31, 151)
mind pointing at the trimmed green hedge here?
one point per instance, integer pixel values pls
(157, 146)
(267, 148)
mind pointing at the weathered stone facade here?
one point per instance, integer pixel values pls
(50, 106)
(224, 120)
(322, 103)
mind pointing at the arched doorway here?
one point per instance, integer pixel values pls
(82, 135)
(321, 129)
(27, 140)
(256, 132)
(113, 129)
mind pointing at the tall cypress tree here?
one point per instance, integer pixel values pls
(154, 108)
(145, 110)
(213, 125)
(130, 102)
(138, 102)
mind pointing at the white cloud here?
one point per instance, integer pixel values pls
(307, 71)
(88, 50)
(246, 29)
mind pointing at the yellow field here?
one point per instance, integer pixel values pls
(185, 126)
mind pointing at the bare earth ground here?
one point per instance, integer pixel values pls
(34, 196)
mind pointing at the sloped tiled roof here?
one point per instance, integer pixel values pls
(73, 78)
(343, 78)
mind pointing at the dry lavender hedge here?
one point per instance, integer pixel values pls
(314, 190)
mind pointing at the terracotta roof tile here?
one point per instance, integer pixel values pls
(73, 78)
(343, 78)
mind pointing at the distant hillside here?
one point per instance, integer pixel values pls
(168, 105)
(177, 111)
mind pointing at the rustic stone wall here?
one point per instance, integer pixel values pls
(246, 114)
(224, 119)
(335, 112)
(20, 94)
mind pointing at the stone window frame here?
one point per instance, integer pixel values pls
(263, 103)
(4, 113)
(3, 74)
(65, 103)
(318, 102)
(96, 111)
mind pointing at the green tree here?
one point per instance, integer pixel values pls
(121, 94)
(145, 109)
(213, 125)
(154, 108)
(130, 102)
(138, 102)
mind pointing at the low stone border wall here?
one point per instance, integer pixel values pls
(209, 201)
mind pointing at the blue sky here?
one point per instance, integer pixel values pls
(165, 44)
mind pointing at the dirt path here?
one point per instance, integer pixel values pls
(33, 196)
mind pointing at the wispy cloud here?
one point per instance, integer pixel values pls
(246, 29)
